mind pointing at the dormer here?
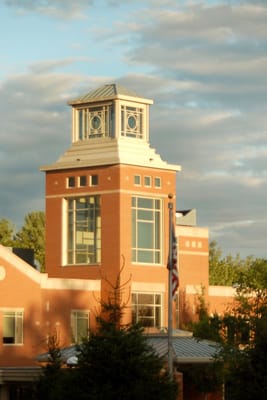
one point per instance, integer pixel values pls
(111, 111)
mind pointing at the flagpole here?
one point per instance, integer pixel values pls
(170, 265)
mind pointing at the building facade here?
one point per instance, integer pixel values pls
(107, 218)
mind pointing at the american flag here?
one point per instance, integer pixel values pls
(172, 264)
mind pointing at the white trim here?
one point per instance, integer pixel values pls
(17, 262)
(71, 284)
(224, 291)
(195, 253)
(151, 287)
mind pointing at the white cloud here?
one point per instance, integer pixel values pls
(53, 8)
(204, 65)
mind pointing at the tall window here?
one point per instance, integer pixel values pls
(147, 309)
(146, 230)
(79, 321)
(13, 327)
(84, 230)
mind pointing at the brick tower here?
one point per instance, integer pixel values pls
(107, 202)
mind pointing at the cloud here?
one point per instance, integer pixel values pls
(35, 124)
(204, 65)
(68, 9)
(51, 65)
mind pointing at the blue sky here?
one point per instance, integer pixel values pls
(202, 62)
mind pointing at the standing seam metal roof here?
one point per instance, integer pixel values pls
(185, 349)
(106, 92)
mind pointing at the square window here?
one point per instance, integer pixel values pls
(82, 180)
(148, 181)
(147, 309)
(157, 182)
(71, 181)
(137, 180)
(94, 180)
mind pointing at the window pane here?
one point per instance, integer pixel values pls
(146, 230)
(83, 180)
(94, 180)
(147, 181)
(145, 298)
(80, 117)
(157, 182)
(9, 329)
(13, 327)
(147, 309)
(84, 230)
(145, 236)
(137, 180)
(145, 215)
(145, 203)
(145, 256)
(71, 181)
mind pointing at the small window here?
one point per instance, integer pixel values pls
(137, 180)
(82, 180)
(13, 327)
(94, 180)
(157, 182)
(147, 309)
(148, 181)
(71, 181)
(79, 321)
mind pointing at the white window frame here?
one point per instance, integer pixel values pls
(80, 179)
(69, 179)
(83, 129)
(151, 310)
(150, 219)
(94, 180)
(147, 181)
(17, 314)
(157, 179)
(136, 111)
(81, 246)
(137, 178)
(75, 316)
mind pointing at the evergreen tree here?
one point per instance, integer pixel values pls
(115, 362)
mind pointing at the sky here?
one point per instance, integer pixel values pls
(204, 63)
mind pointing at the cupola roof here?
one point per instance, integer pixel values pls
(109, 92)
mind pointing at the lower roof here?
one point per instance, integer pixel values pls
(186, 350)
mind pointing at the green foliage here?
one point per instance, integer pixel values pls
(242, 333)
(226, 271)
(6, 232)
(116, 362)
(206, 378)
(55, 383)
(32, 236)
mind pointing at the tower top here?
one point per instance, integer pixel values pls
(110, 125)
(111, 91)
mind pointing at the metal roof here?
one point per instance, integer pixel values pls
(185, 350)
(106, 92)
